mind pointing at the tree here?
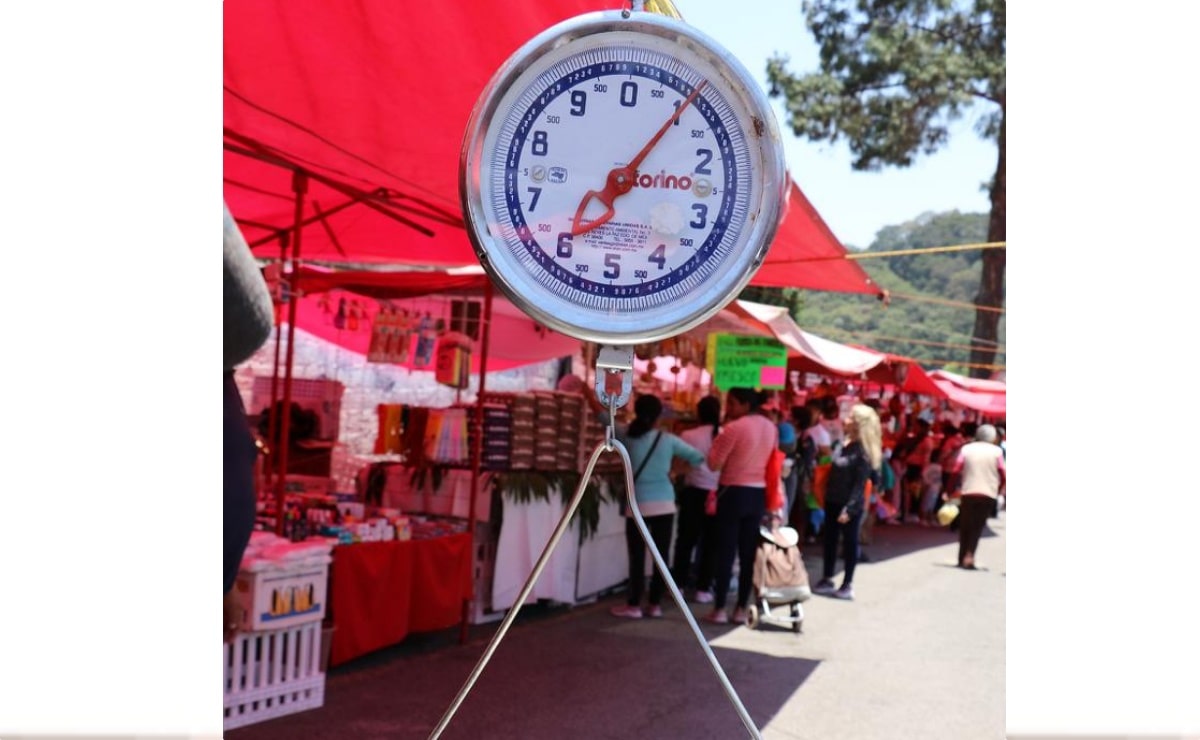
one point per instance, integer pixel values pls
(893, 74)
(930, 333)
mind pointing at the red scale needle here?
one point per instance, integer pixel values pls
(620, 180)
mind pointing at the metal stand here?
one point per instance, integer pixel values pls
(613, 387)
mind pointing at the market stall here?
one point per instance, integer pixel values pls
(428, 471)
(534, 450)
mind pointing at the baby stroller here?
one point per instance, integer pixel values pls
(780, 580)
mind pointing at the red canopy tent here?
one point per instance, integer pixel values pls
(989, 397)
(806, 254)
(515, 338)
(975, 385)
(369, 103)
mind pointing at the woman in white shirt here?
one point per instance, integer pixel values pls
(697, 531)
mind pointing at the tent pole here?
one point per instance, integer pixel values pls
(272, 417)
(477, 453)
(299, 184)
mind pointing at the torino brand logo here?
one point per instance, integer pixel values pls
(663, 180)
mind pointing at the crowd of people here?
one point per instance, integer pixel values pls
(848, 466)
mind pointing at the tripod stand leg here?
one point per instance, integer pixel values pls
(523, 595)
(676, 594)
(563, 524)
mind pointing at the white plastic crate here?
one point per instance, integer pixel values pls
(273, 599)
(274, 673)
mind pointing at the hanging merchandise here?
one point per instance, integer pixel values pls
(412, 436)
(339, 319)
(352, 315)
(453, 367)
(397, 350)
(390, 439)
(426, 338)
(446, 436)
(381, 334)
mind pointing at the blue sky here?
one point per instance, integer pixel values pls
(854, 204)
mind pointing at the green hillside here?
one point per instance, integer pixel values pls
(914, 323)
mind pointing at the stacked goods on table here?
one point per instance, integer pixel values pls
(541, 430)
(545, 430)
(383, 526)
(497, 436)
(429, 527)
(524, 418)
(570, 422)
(338, 518)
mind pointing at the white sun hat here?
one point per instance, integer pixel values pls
(785, 537)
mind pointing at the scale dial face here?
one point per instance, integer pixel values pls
(622, 178)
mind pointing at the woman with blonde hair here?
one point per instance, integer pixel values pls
(853, 465)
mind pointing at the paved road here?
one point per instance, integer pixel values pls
(919, 654)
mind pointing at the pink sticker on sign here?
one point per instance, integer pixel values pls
(770, 376)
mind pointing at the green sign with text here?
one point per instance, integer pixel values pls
(739, 360)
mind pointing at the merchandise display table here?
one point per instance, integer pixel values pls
(379, 592)
(576, 571)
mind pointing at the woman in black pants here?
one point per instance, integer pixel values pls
(697, 530)
(651, 451)
(853, 465)
(740, 455)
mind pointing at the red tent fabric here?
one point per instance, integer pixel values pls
(516, 340)
(372, 98)
(807, 255)
(390, 285)
(373, 95)
(991, 404)
(989, 397)
(975, 385)
(903, 373)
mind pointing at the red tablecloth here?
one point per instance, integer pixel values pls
(381, 591)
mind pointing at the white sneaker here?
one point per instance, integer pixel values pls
(825, 587)
(703, 597)
(627, 612)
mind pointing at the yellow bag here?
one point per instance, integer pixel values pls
(947, 514)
